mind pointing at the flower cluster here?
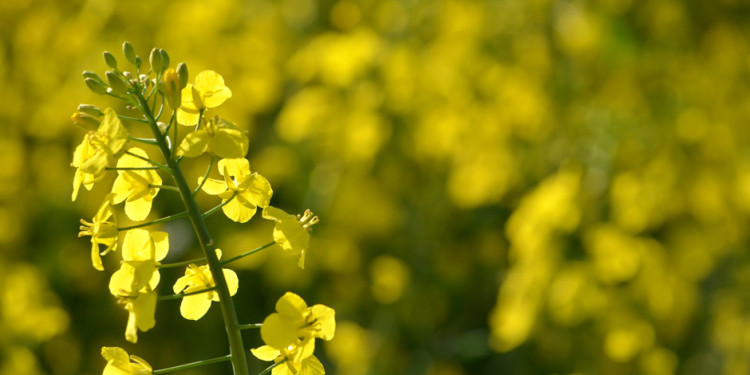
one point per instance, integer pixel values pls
(290, 332)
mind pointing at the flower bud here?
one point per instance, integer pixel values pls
(92, 75)
(110, 60)
(157, 64)
(164, 58)
(182, 74)
(137, 62)
(129, 52)
(90, 110)
(86, 121)
(118, 84)
(97, 86)
(172, 88)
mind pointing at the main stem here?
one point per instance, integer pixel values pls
(236, 347)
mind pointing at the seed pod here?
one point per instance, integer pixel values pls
(129, 52)
(110, 60)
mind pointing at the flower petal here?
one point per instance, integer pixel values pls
(193, 307)
(265, 353)
(213, 186)
(237, 212)
(194, 144)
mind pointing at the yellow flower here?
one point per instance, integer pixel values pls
(141, 307)
(196, 278)
(141, 252)
(135, 187)
(295, 361)
(223, 138)
(98, 150)
(291, 232)
(247, 191)
(208, 91)
(296, 324)
(119, 363)
(103, 231)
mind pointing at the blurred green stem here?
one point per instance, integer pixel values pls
(186, 366)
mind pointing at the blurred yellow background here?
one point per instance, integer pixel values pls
(504, 187)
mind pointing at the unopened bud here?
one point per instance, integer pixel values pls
(182, 75)
(129, 52)
(164, 58)
(90, 110)
(86, 121)
(110, 60)
(172, 88)
(118, 84)
(137, 62)
(157, 64)
(92, 75)
(97, 86)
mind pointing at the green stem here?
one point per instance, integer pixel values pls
(251, 326)
(234, 335)
(130, 168)
(182, 295)
(143, 140)
(183, 263)
(222, 204)
(205, 176)
(253, 251)
(155, 164)
(158, 221)
(132, 119)
(187, 366)
(269, 369)
(165, 187)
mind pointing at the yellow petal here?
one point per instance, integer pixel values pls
(212, 186)
(237, 167)
(291, 307)
(194, 144)
(325, 317)
(265, 353)
(257, 190)
(181, 284)
(193, 307)
(145, 308)
(96, 259)
(291, 236)
(136, 245)
(237, 212)
(130, 161)
(187, 117)
(229, 143)
(120, 189)
(232, 281)
(121, 281)
(211, 86)
(312, 366)
(115, 354)
(277, 333)
(161, 244)
(138, 210)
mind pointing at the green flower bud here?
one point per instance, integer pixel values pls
(172, 88)
(157, 64)
(92, 75)
(86, 121)
(129, 52)
(110, 60)
(118, 84)
(97, 86)
(90, 110)
(182, 75)
(164, 58)
(137, 62)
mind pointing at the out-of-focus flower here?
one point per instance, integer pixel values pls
(98, 150)
(247, 191)
(291, 232)
(208, 91)
(197, 278)
(219, 136)
(119, 363)
(103, 231)
(135, 187)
